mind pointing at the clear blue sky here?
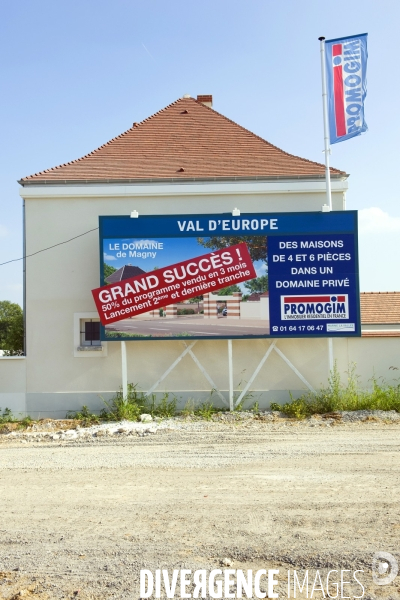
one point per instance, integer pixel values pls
(77, 73)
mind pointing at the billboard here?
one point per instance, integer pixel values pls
(223, 276)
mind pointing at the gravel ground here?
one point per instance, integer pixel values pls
(81, 514)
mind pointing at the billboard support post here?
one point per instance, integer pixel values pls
(230, 370)
(124, 371)
(330, 352)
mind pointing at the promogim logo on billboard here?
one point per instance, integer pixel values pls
(314, 307)
(346, 65)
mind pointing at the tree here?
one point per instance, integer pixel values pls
(108, 270)
(258, 285)
(196, 300)
(228, 291)
(11, 328)
(256, 244)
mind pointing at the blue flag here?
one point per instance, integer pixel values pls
(346, 79)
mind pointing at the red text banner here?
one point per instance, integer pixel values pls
(175, 283)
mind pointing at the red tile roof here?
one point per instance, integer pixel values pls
(380, 307)
(382, 333)
(185, 140)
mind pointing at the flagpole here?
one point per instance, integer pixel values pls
(327, 149)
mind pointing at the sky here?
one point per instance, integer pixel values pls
(76, 74)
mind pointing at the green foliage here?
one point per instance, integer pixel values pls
(196, 300)
(186, 311)
(189, 408)
(11, 329)
(7, 416)
(258, 285)
(256, 244)
(129, 408)
(339, 396)
(206, 410)
(108, 270)
(83, 415)
(228, 291)
(25, 422)
(137, 403)
(165, 408)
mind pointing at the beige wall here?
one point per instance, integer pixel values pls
(59, 283)
(13, 384)
(147, 361)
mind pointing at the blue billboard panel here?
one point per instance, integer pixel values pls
(313, 285)
(306, 283)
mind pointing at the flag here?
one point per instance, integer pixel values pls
(346, 78)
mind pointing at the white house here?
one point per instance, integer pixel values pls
(187, 158)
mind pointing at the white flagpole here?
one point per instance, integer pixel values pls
(327, 149)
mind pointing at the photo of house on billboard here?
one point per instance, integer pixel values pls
(214, 276)
(216, 296)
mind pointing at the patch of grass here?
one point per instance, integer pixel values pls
(165, 408)
(189, 408)
(129, 408)
(137, 403)
(25, 422)
(343, 396)
(84, 415)
(206, 410)
(7, 416)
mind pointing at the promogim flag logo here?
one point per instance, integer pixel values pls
(346, 76)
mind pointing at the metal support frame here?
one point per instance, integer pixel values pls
(124, 365)
(232, 404)
(330, 353)
(291, 365)
(272, 347)
(230, 372)
(256, 372)
(187, 350)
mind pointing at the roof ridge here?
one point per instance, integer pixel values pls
(313, 162)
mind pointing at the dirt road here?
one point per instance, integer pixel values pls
(88, 517)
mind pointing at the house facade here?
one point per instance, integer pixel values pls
(185, 159)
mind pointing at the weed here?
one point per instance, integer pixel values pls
(166, 408)
(206, 410)
(83, 415)
(189, 408)
(25, 422)
(339, 396)
(135, 404)
(7, 416)
(129, 408)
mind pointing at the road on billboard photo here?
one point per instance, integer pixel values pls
(232, 310)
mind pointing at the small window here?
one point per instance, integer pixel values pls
(90, 332)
